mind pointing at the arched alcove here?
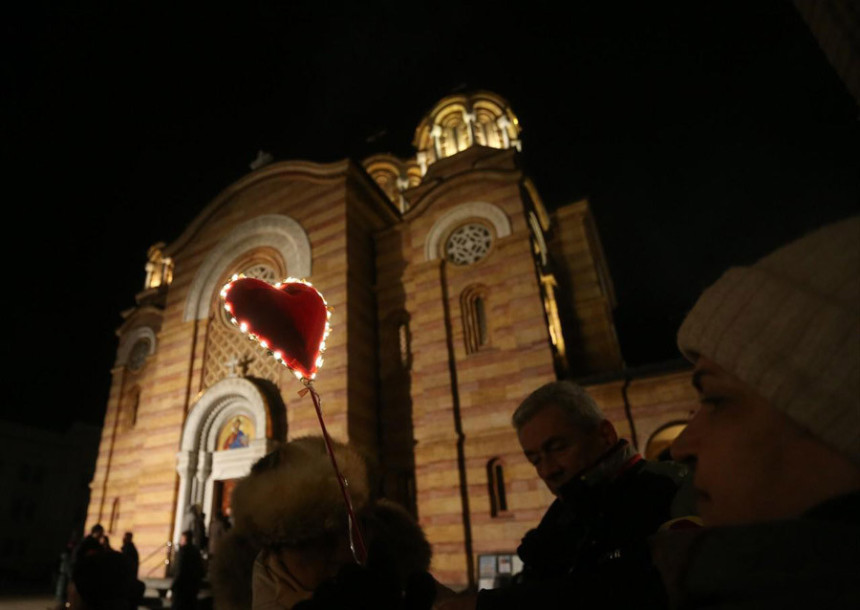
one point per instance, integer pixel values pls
(276, 231)
(200, 463)
(130, 339)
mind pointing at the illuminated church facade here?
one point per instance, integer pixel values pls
(455, 294)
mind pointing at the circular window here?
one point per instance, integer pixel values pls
(468, 244)
(138, 354)
(258, 271)
(262, 272)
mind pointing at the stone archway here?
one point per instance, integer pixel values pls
(199, 464)
(273, 230)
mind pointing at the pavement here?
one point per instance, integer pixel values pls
(34, 601)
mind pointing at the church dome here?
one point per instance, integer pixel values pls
(393, 175)
(460, 121)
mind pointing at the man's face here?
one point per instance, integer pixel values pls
(556, 448)
(751, 462)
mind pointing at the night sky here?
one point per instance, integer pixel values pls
(704, 137)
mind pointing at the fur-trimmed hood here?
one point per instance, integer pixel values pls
(292, 498)
(292, 495)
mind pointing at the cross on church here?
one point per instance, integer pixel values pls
(231, 366)
(244, 363)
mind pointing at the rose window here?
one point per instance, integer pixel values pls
(468, 244)
(138, 354)
(262, 272)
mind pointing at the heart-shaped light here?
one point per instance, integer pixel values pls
(289, 320)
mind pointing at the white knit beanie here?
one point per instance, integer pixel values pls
(789, 326)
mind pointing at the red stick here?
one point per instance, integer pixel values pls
(356, 540)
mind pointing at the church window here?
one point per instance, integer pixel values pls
(468, 243)
(473, 308)
(262, 272)
(138, 354)
(114, 515)
(132, 405)
(404, 341)
(496, 478)
(258, 270)
(406, 491)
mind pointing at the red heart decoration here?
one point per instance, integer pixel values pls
(290, 319)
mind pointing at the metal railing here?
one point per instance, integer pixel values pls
(168, 547)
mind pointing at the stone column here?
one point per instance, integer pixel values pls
(436, 133)
(503, 124)
(186, 465)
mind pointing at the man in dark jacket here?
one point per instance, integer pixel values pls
(609, 502)
(609, 499)
(188, 575)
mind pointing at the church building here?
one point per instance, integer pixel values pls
(455, 293)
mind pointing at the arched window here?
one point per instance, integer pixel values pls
(496, 479)
(114, 516)
(405, 342)
(139, 352)
(132, 403)
(473, 308)
(662, 439)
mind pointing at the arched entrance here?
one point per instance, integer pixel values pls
(226, 431)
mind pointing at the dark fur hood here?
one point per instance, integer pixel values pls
(292, 498)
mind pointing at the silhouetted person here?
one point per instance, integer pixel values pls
(91, 543)
(218, 527)
(188, 575)
(64, 569)
(129, 551)
(103, 580)
(195, 522)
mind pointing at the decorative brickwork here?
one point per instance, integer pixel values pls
(229, 353)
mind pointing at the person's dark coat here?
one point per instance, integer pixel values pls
(104, 581)
(129, 551)
(218, 527)
(188, 577)
(600, 514)
(597, 529)
(810, 562)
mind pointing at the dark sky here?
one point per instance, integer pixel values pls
(704, 135)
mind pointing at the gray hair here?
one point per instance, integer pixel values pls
(579, 408)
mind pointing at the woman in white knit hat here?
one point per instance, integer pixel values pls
(776, 442)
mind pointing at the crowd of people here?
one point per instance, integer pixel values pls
(759, 508)
(93, 575)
